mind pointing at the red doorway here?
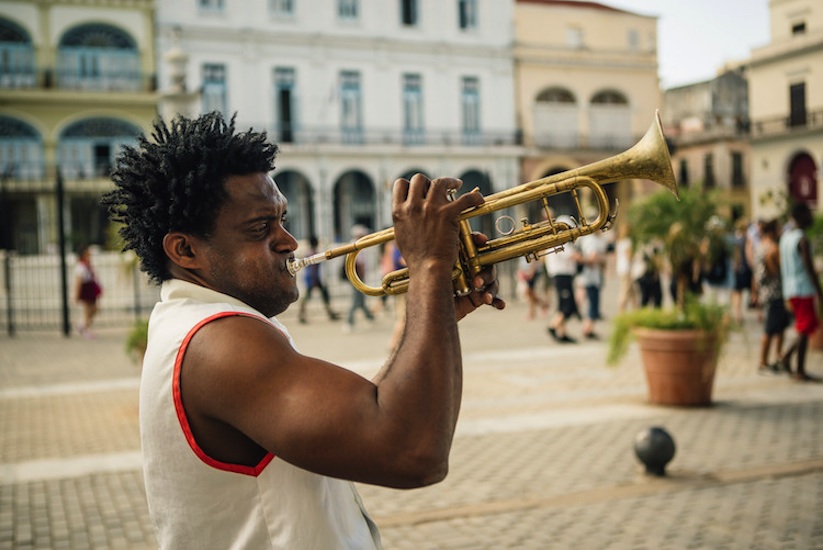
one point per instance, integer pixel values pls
(803, 180)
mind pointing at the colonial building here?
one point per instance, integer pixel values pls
(586, 86)
(786, 107)
(356, 93)
(708, 122)
(77, 81)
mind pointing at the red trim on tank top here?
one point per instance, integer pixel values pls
(181, 413)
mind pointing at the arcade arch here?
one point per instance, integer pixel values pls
(298, 191)
(354, 203)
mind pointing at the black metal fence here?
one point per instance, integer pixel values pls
(38, 292)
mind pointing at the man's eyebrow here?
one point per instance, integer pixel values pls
(264, 216)
(260, 218)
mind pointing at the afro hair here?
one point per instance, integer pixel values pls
(175, 182)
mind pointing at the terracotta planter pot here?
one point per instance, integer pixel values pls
(679, 365)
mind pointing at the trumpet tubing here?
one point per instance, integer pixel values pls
(647, 159)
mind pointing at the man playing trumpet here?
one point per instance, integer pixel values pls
(246, 442)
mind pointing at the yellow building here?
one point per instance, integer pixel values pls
(586, 86)
(786, 108)
(77, 81)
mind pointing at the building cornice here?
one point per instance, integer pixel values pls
(787, 49)
(582, 5)
(129, 4)
(74, 97)
(318, 41)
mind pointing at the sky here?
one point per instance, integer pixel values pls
(696, 37)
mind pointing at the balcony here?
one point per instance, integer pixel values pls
(575, 141)
(58, 79)
(394, 137)
(786, 125)
(33, 177)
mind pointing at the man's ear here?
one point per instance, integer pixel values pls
(181, 249)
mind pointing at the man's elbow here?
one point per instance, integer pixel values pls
(421, 470)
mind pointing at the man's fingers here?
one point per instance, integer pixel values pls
(419, 186)
(400, 191)
(449, 183)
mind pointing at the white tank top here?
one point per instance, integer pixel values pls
(198, 502)
(795, 278)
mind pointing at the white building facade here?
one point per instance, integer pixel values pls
(356, 93)
(786, 109)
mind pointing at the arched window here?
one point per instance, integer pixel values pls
(98, 57)
(556, 95)
(610, 121)
(556, 119)
(21, 150)
(481, 180)
(609, 97)
(87, 148)
(16, 56)
(297, 190)
(354, 203)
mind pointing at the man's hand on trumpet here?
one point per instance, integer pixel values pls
(426, 225)
(486, 288)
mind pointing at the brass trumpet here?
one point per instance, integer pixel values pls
(647, 159)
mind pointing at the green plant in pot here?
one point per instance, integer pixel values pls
(137, 339)
(679, 345)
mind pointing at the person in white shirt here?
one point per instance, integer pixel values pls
(627, 272)
(593, 258)
(561, 265)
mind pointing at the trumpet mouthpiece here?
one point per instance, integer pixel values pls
(294, 265)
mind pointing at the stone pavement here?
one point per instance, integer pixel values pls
(543, 456)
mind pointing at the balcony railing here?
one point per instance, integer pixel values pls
(56, 79)
(35, 176)
(576, 141)
(785, 125)
(363, 137)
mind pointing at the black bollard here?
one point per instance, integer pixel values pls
(655, 448)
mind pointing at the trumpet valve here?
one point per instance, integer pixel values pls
(612, 215)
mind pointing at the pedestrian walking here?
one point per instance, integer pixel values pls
(741, 270)
(358, 299)
(648, 281)
(313, 280)
(528, 276)
(801, 287)
(770, 296)
(592, 257)
(87, 290)
(624, 262)
(561, 265)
